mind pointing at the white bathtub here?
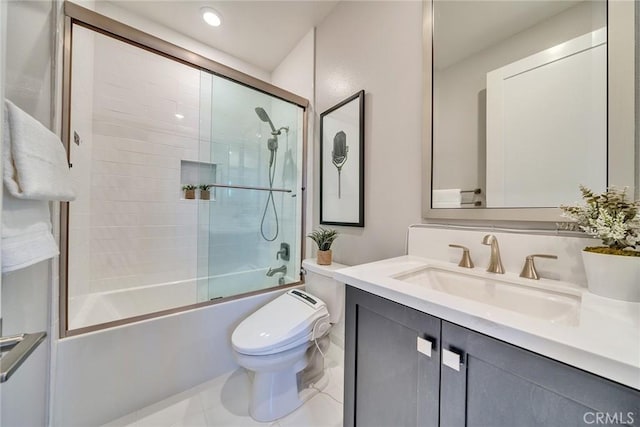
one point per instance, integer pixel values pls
(103, 375)
(102, 307)
(92, 309)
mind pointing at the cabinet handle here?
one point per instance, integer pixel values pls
(424, 346)
(451, 359)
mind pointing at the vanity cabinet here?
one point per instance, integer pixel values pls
(469, 380)
(392, 363)
(488, 382)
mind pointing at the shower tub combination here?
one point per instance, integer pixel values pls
(146, 126)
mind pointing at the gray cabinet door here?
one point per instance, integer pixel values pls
(388, 382)
(498, 384)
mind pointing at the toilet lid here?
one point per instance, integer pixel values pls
(283, 323)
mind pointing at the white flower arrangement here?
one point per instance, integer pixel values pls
(610, 217)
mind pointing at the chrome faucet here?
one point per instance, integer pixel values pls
(282, 269)
(495, 263)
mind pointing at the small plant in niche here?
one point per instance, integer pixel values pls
(609, 216)
(324, 239)
(189, 191)
(205, 194)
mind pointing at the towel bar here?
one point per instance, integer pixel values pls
(474, 191)
(19, 348)
(244, 187)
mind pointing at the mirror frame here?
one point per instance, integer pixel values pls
(622, 121)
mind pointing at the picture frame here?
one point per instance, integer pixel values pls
(342, 163)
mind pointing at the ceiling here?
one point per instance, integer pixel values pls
(259, 32)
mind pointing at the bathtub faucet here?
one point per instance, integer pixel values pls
(282, 269)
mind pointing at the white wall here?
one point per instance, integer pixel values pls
(377, 46)
(26, 293)
(296, 71)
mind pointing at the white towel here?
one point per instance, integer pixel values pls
(449, 198)
(34, 159)
(26, 233)
(35, 170)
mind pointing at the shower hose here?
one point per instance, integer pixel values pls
(270, 199)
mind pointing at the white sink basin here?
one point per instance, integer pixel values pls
(512, 294)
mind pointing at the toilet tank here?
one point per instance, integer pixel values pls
(319, 281)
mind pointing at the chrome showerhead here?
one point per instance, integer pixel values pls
(265, 118)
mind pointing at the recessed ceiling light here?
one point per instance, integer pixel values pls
(211, 17)
(179, 116)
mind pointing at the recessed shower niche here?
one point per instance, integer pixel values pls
(150, 124)
(198, 173)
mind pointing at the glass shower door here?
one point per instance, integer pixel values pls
(251, 155)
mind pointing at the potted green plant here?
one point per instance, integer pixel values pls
(189, 191)
(205, 194)
(323, 238)
(613, 270)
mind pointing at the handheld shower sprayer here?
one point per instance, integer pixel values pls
(272, 145)
(265, 118)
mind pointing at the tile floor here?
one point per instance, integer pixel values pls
(223, 402)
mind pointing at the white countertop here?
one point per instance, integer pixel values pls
(605, 339)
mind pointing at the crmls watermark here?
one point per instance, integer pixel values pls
(609, 418)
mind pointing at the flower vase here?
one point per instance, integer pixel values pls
(205, 194)
(189, 194)
(613, 276)
(324, 257)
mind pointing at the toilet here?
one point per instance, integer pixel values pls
(282, 344)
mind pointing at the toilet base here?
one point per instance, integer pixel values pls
(275, 394)
(282, 391)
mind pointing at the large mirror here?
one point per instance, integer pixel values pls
(527, 103)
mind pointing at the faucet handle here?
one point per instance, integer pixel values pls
(284, 253)
(465, 261)
(529, 268)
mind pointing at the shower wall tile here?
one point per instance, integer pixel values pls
(191, 155)
(131, 227)
(204, 149)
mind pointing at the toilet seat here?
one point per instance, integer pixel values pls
(287, 322)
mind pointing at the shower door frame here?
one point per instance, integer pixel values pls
(78, 15)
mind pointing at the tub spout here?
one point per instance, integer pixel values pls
(282, 269)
